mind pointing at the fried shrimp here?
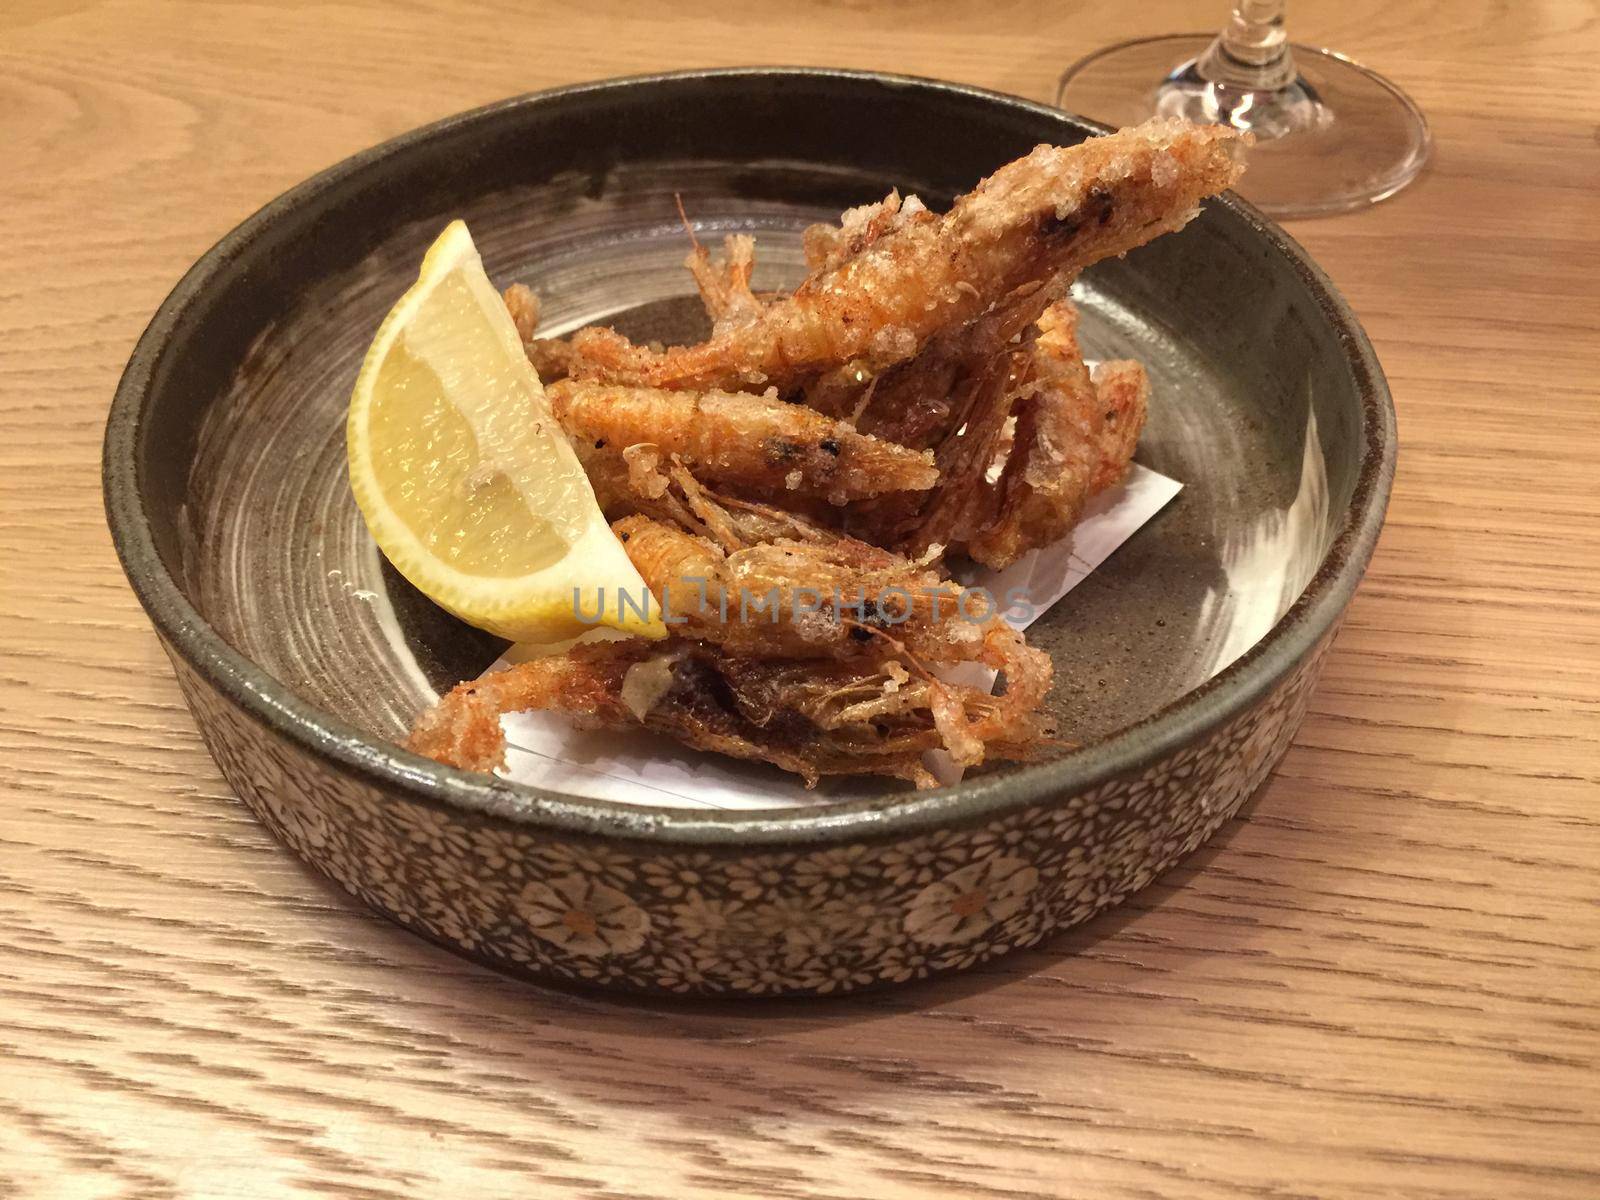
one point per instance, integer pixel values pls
(788, 489)
(551, 357)
(1075, 436)
(764, 584)
(808, 718)
(745, 441)
(1048, 214)
(958, 395)
(1029, 438)
(800, 599)
(950, 515)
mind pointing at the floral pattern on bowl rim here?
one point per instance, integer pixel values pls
(735, 920)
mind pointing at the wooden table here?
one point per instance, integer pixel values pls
(1381, 981)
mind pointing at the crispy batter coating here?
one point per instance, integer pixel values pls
(1048, 214)
(829, 247)
(742, 440)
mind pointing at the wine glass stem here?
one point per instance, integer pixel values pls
(1252, 51)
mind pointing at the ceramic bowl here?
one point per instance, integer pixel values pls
(1184, 663)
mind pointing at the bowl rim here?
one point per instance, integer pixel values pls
(349, 750)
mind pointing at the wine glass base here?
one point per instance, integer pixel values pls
(1339, 138)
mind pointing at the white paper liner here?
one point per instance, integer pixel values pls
(637, 767)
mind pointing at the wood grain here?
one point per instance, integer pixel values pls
(1382, 980)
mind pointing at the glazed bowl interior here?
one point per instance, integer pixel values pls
(1257, 406)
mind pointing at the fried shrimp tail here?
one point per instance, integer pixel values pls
(724, 285)
(1049, 214)
(745, 441)
(551, 357)
(1029, 438)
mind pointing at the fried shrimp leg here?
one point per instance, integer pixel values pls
(958, 396)
(463, 728)
(951, 514)
(1048, 214)
(742, 440)
(808, 718)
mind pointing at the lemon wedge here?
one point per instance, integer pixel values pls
(467, 483)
